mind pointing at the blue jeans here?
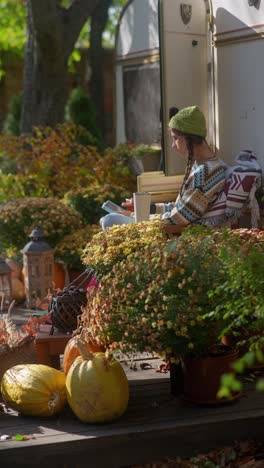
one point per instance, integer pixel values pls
(115, 218)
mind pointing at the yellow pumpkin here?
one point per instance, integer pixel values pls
(34, 389)
(96, 387)
(72, 351)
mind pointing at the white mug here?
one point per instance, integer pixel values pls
(141, 206)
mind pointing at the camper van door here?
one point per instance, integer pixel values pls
(185, 56)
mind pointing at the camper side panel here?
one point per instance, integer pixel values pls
(239, 52)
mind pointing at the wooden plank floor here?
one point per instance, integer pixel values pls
(155, 425)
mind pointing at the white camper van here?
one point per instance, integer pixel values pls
(185, 52)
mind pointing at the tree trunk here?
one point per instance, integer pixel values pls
(45, 84)
(98, 23)
(52, 33)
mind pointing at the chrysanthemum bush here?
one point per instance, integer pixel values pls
(116, 243)
(18, 218)
(157, 299)
(69, 249)
(169, 296)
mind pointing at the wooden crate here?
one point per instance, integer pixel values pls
(50, 347)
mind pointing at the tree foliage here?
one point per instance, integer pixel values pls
(13, 28)
(49, 33)
(113, 17)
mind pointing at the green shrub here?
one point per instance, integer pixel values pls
(55, 157)
(113, 173)
(84, 201)
(12, 121)
(141, 150)
(69, 249)
(112, 180)
(13, 186)
(80, 110)
(52, 163)
(88, 201)
(18, 218)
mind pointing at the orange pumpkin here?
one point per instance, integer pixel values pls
(16, 268)
(59, 276)
(72, 351)
(18, 290)
(23, 275)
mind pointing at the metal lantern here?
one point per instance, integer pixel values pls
(38, 262)
(5, 285)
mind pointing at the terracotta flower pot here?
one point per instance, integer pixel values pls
(59, 276)
(202, 375)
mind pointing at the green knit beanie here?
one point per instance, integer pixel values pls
(189, 120)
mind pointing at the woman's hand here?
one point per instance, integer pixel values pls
(128, 204)
(125, 213)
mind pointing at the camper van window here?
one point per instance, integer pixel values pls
(142, 103)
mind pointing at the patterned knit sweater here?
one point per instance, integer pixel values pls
(205, 182)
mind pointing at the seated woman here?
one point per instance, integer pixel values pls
(204, 177)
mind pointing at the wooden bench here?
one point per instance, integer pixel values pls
(162, 188)
(155, 425)
(176, 230)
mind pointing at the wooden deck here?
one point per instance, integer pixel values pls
(155, 425)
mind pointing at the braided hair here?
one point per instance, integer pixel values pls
(191, 140)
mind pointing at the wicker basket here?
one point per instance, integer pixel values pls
(65, 306)
(23, 353)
